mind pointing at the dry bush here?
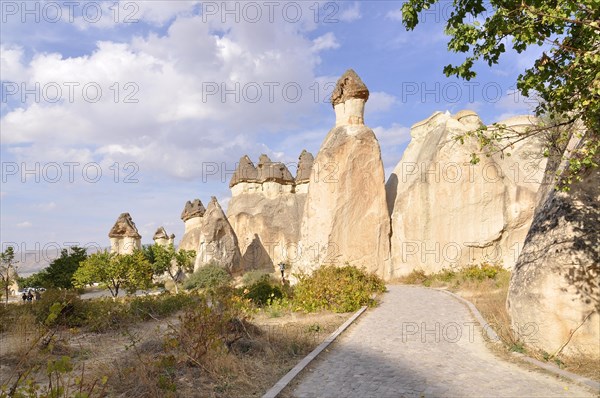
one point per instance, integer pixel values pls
(210, 350)
(583, 365)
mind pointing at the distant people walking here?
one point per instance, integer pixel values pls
(29, 296)
(282, 269)
(24, 296)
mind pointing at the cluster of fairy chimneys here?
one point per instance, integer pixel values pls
(269, 171)
(125, 238)
(348, 100)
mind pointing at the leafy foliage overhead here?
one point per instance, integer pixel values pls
(565, 78)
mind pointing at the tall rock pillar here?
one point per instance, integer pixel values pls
(345, 217)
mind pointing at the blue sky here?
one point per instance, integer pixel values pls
(139, 106)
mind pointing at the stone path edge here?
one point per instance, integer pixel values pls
(493, 337)
(289, 376)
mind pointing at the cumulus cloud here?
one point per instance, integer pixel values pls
(11, 63)
(168, 102)
(109, 14)
(325, 42)
(24, 224)
(393, 141)
(45, 206)
(379, 101)
(394, 135)
(394, 14)
(514, 104)
(351, 13)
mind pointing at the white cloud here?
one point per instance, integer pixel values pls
(392, 141)
(160, 12)
(394, 135)
(394, 15)
(45, 206)
(351, 13)
(513, 104)
(109, 14)
(201, 96)
(224, 201)
(11, 68)
(379, 101)
(24, 224)
(325, 42)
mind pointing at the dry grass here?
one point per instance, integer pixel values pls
(492, 305)
(140, 361)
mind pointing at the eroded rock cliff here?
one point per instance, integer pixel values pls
(266, 208)
(447, 212)
(554, 293)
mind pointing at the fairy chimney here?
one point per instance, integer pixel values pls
(160, 237)
(124, 236)
(305, 164)
(348, 99)
(192, 217)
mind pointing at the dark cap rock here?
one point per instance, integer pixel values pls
(192, 209)
(349, 86)
(124, 228)
(160, 233)
(273, 171)
(245, 172)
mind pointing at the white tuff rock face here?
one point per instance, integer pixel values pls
(446, 212)
(345, 216)
(217, 240)
(554, 293)
(265, 210)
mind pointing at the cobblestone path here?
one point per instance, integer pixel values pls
(422, 343)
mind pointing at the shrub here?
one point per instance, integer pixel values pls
(252, 277)
(65, 308)
(263, 292)
(471, 274)
(342, 289)
(104, 314)
(59, 307)
(208, 277)
(146, 307)
(416, 277)
(482, 271)
(210, 326)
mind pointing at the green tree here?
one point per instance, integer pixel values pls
(115, 272)
(565, 78)
(33, 280)
(59, 274)
(8, 270)
(167, 260)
